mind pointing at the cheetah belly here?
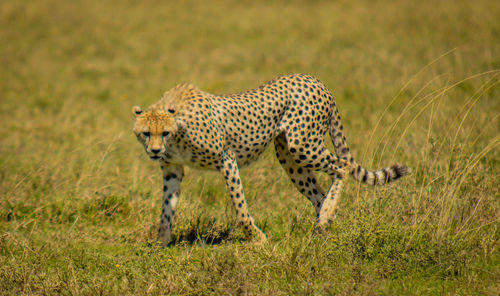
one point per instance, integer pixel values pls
(249, 147)
(247, 155)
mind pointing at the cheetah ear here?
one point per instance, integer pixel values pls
(136, 110)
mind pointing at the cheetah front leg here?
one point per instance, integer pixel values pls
(231, 174)
(172, 178)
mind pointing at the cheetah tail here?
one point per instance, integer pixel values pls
(379, 177)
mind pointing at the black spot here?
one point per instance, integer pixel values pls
(170, 176)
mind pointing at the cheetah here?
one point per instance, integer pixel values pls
(191, 127)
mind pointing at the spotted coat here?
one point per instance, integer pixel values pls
(226, 132)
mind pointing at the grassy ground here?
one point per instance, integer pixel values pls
(416, 82)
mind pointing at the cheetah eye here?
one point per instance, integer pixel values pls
(165, 134)
(146, 134)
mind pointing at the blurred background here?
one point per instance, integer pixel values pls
(415, 81)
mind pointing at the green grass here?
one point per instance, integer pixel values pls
(416, 82)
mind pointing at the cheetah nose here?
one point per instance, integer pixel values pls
(155, 151)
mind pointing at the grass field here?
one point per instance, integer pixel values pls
(416, 82)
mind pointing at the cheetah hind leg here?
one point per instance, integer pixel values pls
(338, 170)
(329, 203)
(302, 178)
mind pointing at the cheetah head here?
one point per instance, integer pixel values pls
(154, 128)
